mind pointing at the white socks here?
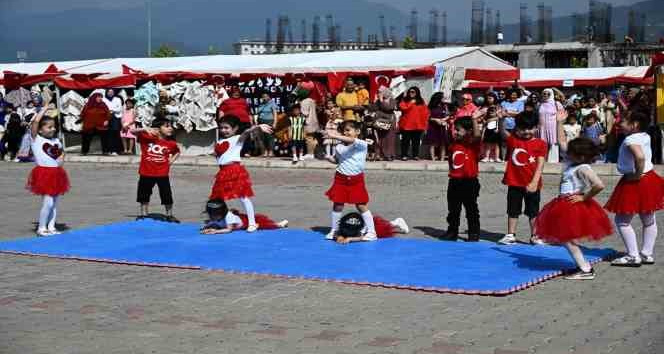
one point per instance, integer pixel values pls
(249, 209)
(576, 253)
(335, 216)
(369, 222)
(649, 233)
(48, 213)
(623, 223)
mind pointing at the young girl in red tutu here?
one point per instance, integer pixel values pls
(232, 180)
(48, 178)
(574, 215)
(640, 191)
(350, 155)
(222, 221)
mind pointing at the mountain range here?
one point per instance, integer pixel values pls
(194, 25)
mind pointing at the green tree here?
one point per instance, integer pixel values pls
(165, 51)
(212, 50)
(408, 43)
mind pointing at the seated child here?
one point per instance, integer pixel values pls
(222, 221)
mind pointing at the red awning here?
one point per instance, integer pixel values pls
(14, 80)
(94, 81)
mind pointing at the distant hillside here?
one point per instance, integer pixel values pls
(191, 26)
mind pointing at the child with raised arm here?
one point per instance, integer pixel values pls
(523, 175)
(48, 179)
(158, 152)
(233, 181)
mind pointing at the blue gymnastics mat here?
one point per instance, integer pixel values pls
(426, 265)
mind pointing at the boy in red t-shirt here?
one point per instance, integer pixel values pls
(523, 175)
(158, 151)
(463, 188)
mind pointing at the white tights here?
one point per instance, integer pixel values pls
(249, 209)
(624, 225)
(48, 213)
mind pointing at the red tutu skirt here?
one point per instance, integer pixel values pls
(383, 227)
(232, 182)
(562, 221)
(264, 222)
(51, 181)
(635, 197)
(348, 190)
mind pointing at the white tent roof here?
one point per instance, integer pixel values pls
(360, 61)
(582, 73)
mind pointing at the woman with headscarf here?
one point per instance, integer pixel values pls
(437, 134)
(385, 123)
(116, 107)
(96, 118)
(548, 115)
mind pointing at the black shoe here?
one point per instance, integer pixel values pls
(140, 217)
(450, 235)
(172, 219)
(473, 238)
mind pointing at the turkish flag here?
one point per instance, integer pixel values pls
(378, 79)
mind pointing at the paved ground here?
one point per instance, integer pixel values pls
(56, 306)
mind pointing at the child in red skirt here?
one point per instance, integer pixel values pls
(48, 178)
(222, 221)
(640, 191)
(574, 214)
(348, 187)
(352, 228)
(232, 181)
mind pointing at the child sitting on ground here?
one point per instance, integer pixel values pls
(223, 221)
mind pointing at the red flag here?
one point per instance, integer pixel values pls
(378, 79)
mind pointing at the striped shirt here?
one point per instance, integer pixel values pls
(297, 127)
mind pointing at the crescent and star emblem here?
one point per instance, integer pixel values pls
(515, 157)
(454, 160)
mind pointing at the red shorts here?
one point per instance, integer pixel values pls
(51, 181)
(232, 182)
(561, 221)
(348, 190)
(645, 195)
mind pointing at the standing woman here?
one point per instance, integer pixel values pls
(267, 114)
(437, 135)
(548, 113)
(115, 105)
(491, 114)
(95, 117)
(385, 123)
(414, 121)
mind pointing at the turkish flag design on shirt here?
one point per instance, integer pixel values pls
(463, 159)
(522, 158)
(155, 155)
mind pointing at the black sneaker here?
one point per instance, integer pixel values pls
(581, 275)
(627, 261)
(140, 217)
(473, 238)
(450, 235)
(172, 219)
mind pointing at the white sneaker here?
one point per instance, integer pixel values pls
(648, 260)
(486, 159)
(295, 159)
(43, 232)
(400, 223)
(114, 154)
(508, 239)
(499, 160)
(308, 157)
(331, 235)
(283, 224)
(54, 232)
(301, 158)
(252, 228)
(627, 261)
(536, 241)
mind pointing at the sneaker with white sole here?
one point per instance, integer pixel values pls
(301, 158)
(486, 159)
(282, 224)
(252, 228)
(536, 241)
(295, 159)
(54, 232)
(331, 235)
(581, 275)
(508, 239)
(627, 261)
(43, 232)
(370, 236)
(647, 260)
(400, 223)
(308, 157)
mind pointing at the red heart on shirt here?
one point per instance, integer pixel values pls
(220, 149)
(53, 151)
